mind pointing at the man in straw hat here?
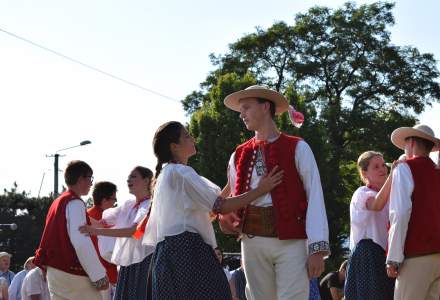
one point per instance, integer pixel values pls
(276, 228)
(414, 236)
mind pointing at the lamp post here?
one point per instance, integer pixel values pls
(55, 164)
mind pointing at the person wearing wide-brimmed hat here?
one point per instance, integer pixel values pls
(276, 228)
(414, 239)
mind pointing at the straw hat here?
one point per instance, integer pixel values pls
(232, 101)
(422, 131)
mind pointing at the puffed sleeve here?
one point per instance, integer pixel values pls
(200, 192)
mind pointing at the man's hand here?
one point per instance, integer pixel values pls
(101, 284)
(392, 270)
(229, 223)
(315, 265)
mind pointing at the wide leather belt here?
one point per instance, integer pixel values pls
(259, 221)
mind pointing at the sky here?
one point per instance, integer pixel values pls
(49, 103)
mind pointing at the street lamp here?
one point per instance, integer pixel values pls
(55, 164)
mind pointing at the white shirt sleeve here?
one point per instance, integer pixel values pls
(201, 192)
(316, 218)
(359, 213)
(76, 217)
(400, 211)
(232, 172)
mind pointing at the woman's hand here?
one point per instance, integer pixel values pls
(271, 180)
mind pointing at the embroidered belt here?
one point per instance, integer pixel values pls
(259, 221)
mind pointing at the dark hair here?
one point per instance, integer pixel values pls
(165, 135)
(426, 144)
(272, 106)
(103, 190)
(76, 169)
(145, 173)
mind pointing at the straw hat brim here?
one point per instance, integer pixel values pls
(400, 134)
(232, 101)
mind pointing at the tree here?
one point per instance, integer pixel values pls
(30, 215)
(339, 67)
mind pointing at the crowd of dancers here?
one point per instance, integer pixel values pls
(161, 244)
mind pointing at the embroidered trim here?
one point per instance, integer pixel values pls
(321, 246)
(100, 283)
(218, 203)
(395, 264)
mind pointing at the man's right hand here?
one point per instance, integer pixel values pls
(229, 223)
(102, 284)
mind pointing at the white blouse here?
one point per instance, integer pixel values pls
(182, 202)
(367, 224)
(127, 250)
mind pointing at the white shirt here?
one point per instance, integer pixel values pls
(316, 217)
(128, 250)
(367, 224)
(35, 284)
(400, 211)
(183, 201)
(14, 289)
(86, 252)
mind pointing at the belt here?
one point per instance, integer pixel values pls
(259, 221)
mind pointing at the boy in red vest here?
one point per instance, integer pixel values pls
(70, 258)
(104, 197)
(414, 236)
(285, 232)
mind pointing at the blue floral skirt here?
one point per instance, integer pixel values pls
(366, 273)
(185, 267)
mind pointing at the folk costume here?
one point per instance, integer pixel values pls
(282, 228)
(70, 258)
(414, 240)
(184, 262)
(128, 252)
(366, 276)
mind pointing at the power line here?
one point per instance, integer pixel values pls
(89, 66)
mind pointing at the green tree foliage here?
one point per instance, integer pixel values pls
(30, 215)
(340, 69)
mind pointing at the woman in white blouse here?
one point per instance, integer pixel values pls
(129, 253)
(184, 265)
(366, 274)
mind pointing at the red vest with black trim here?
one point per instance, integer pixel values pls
(289, 198)
(423, 235)
(56, 249)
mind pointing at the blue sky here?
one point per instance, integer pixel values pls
(49, 103)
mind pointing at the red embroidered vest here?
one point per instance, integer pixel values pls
(423, 235)
(55, 248)
(289, 198)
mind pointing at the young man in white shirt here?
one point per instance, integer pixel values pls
(414, 239)
(74, 270)
(285, 233)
